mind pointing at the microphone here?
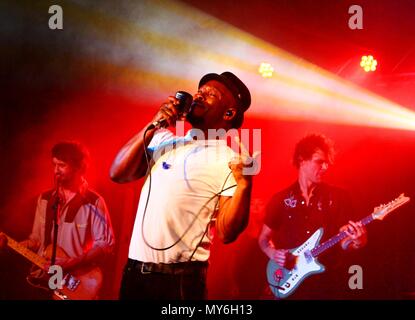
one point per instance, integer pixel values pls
(185, 101)
(57, 198)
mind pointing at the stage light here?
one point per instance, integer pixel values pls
(266, 70)
(368, 63)
(153, 48)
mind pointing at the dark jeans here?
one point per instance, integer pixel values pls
(179, 281)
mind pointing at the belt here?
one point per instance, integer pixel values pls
(168, 268)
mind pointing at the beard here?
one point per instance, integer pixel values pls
(61, 181)
(64, 180)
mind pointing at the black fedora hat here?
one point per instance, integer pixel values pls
(234, 84)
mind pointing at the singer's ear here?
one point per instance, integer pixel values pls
(229, 114)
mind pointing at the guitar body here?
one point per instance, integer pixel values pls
(81, 284)
(284, 282)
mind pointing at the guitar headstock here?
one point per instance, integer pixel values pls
(380, 212)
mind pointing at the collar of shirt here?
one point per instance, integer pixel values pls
(194, 133)
(295, 190)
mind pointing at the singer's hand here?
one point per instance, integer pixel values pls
(241, 162)
(168, 112)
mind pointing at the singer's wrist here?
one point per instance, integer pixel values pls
(270, 252)
(161, 122)
(151, 127)
(244, 184)
(154, 120)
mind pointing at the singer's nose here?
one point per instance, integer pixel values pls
(198, 97)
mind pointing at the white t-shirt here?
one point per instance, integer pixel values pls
(186, 174)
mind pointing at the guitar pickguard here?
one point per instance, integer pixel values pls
(284, 282)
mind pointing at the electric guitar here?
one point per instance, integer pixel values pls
(284, 282)
(82, 284)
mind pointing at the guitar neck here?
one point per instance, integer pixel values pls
(337, 238)
(25, 252)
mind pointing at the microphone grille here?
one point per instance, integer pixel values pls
(185, 99)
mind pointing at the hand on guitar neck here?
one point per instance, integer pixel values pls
(30, 244)
(83, 283)
(62, 259)
(356, 235)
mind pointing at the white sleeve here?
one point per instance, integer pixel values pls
(101, 227)
(161, 135)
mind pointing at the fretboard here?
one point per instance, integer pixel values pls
(25, 252)
(338, 237)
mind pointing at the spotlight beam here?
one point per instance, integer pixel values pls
(157, 40)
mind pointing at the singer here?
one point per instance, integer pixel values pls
(84, 234)
(186, 192)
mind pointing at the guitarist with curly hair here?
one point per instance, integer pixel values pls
(294, 214)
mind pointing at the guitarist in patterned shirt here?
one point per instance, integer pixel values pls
(84, 233)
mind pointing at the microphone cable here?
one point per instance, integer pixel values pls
(196, 216)
(213, 216)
